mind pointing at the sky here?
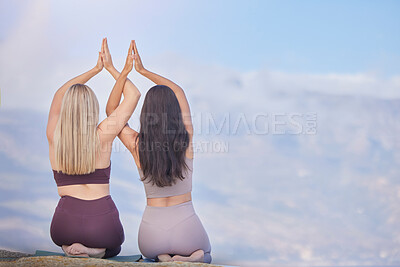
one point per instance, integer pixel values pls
(295, 107)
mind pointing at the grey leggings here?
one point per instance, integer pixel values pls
(172, 230)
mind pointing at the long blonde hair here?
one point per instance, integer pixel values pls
(76, 141)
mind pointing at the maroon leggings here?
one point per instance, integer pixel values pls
(93, 223)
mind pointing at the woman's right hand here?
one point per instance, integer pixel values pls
(106, 55)
(138, 62)
(129, 60)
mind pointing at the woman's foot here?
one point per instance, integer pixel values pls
(80, 250)
(69, 253)
(164, 257)
(197, 256)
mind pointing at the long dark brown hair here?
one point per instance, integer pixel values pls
(163, 138)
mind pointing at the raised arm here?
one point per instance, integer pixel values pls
(117, 119)
(55, 107)
(115, 95)
(127, 135)
(179, 93)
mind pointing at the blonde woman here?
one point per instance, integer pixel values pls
(86, 221)
(170, 229)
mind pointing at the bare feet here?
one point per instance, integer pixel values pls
(71, 253)
(164, 257)
(79, 250)
(197, 256)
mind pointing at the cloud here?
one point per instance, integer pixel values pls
(30, 227)
(12, 181)
(26, 55)
(130, 222)
(25, 234)
(43, 207)
(26, 157)
(132, 188)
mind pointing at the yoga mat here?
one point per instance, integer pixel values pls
(131, 258)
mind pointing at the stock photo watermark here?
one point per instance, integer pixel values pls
(225, 126)
(282, 123)
(203, 146)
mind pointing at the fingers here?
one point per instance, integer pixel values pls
(130, 48)
(104, 50)
(135, 48)
(106, 46)
(129, 59)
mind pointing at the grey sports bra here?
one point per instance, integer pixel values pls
(179, 188)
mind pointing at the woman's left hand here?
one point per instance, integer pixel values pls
(138, 61)
(106, 56)
(129, 60)
(99, 66)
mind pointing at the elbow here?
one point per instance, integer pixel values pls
(49, 136)
(135, 96)
(108, 111)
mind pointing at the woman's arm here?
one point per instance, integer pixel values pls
(55, 107)
(127, 135)
(115, 95)
(117, 119)
(179, 93)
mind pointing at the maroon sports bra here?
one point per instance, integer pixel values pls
(99, 176)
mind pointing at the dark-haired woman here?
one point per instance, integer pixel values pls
(170, 229)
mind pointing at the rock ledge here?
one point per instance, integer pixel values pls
(22, 259)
